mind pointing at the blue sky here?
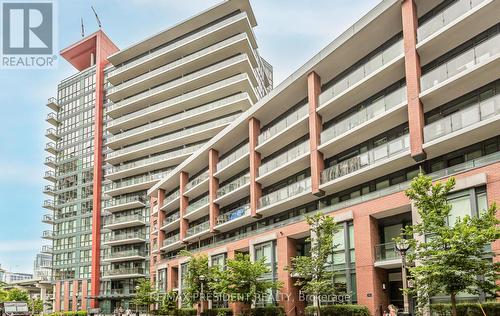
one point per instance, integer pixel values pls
(289, 33)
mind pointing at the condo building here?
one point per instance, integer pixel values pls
(126, 120)
(413, 86)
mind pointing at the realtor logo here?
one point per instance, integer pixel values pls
(28, 30)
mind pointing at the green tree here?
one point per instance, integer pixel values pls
(16, 295)
(452, 257)
(145, 294)
(35, 306)
(315, 274)
(241, 280)
(197, 278)
(168, 303)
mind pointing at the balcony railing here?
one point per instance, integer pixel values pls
(199, 179)
(447, 16)
(137, 180)
(47, 218)
(470, 115)
(368, 158)
(52, 116)
(284, 123)
(123, 271)
(285, 193)
(197, 204)
(371, 110)
(172, 239)
(234, 214)
(191, 231)
(172, 197)
(171, 218)
(124, 200)
(51, 146)
(46, 249)
(48, 204)
(50, 160)
(50, 174)
(47, 234)
(125, 254)
(371, 66)
(284, 158)
(125, 219)
(387, 251)
(169, 137)
(466, 60)
(232, 157)
(233, 185)
(125, 236)
(49, 188)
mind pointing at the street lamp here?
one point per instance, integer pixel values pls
(402, 246)
(202, 279)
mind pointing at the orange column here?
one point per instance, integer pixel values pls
(172, 277)
(57, 295)
(84, 295)
(290, 298)
(75, 295)
(315, 127)
(213, 186)
(413, 72)
(66, 296)
(161, 216)
(255, 187)
(184, 202)
(153, 225)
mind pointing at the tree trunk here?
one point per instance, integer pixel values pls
(318, 306)
(453, 304)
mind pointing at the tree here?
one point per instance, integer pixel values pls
(197, 278)
(241, 280)
(452, 257)
(315, 276)
(168, 303)
(35, 306)
(16, 295)
(144, 295)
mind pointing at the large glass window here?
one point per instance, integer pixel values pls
(267, 251)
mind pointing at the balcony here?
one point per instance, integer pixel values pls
(197, 209)
(135, 184)
(52, 119)
(468, 126)
(50, 176)
(119, 222)
(49, 190)
(171, 222)
(233, 219)
(284, 131)
(172, 201)
(125, 239)
(454, 25)
(197, 231)
(124, 203)
(233, 163)
(48, 204)
(295, 194)
(285, 164)
(179, 138)
(376, 74)
(48, 234)
(171, 243)
(50, 162)
(51, 134)
(51, 148)
(468, 71)
(127, 255)
(197, 186)
(124, 273)
(47, 249)
(386, 256)
(215, 33)
(185, 65)
(379, 161)
(234, 190)
(52, 104)
(48, 219)
(374, 118)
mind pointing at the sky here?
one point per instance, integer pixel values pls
(289, 33)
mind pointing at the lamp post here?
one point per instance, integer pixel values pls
(202, 279)
(402, 246)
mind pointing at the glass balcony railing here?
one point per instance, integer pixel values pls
(284, 123)
(125, 254)
(171, 218)
(48, 204)
(191, 231)
(172, 239)
(47, 234)
(50, 160)
(233, 185)
(285, 193)
(125, 236)
(374, 108)
(50, 174)
(49, 188)
(176, 117)
(137, 180)
(171, 197)
(366, 159)
(284, 158)
(47, 249)
(468, 116)
(51, 131)
(175, 135)
(235, 155)
(199, 179)
(445, 17)
(125, 219)
(374, 64)
(52, 100)
(154, 159)
(238, 212)
(387, 251)
(52, 116)
(113, 292)
(176, 44)
(196, 205)
(124, 200)
(47, 218)
(466, 60)
(176, 63)
(51, 146)
(123, 271)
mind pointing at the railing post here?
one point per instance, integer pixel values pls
(315, 127)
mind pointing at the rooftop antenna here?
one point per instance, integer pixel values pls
(83, 29)
(96, 17)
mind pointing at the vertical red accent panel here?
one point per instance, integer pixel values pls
(255, 187)
(184, 202)
(66, 295)
(161, 216)
(287, 249)
(57, 307)
(84, 295)
(75, 295)
(213, 186)
(413, 73)
(172, 276)
(315, 127)
(154, 245)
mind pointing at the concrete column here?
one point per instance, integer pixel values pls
(315, 128)
(172, 277)
(153, 238)
(213, 186)
(75, 295)
(57, 296)
(289, 297)
(413, 73)
(66, 296)
(184, 202)
(255, 187)
(161, 216)
(84, 294)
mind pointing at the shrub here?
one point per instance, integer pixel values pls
(185, 312)
(339, 310)
(467, 309)
(218, 312)
(267, 311)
